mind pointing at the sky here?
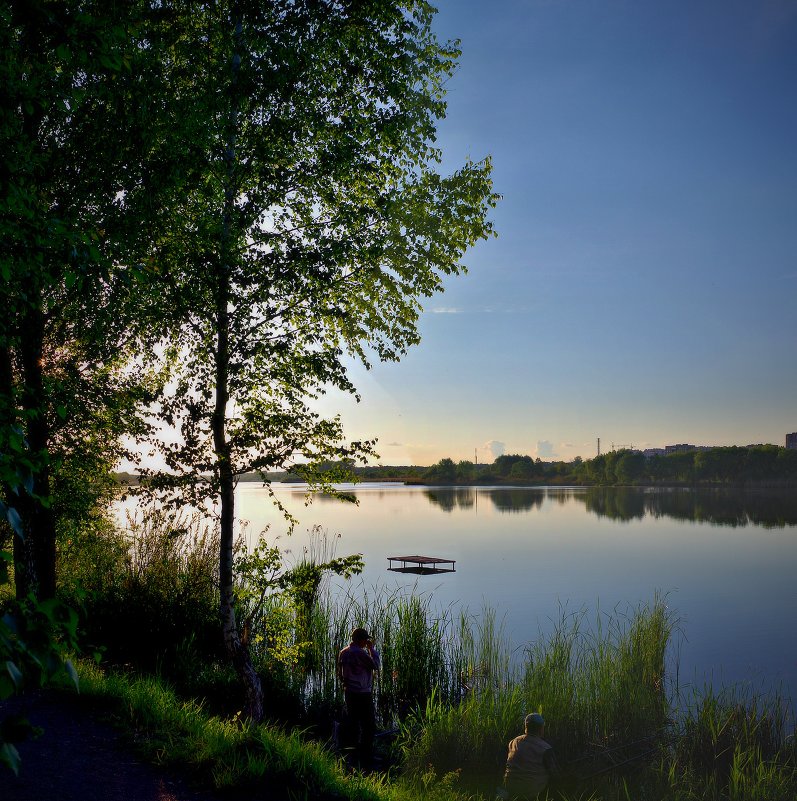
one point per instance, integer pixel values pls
(643, 284)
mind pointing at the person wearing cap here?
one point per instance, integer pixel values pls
(530, 762)
(356, 665)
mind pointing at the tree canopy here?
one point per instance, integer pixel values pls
(311, 225)
(250, 192)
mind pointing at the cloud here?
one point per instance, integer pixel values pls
(545, 449)
(495, 447)
(395, 444)
(445, 310)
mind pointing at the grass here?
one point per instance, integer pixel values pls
(597, 687)
(236, 756)
(601, 687)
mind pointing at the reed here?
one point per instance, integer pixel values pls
(597, 687)
(419, 648)
(732, 745)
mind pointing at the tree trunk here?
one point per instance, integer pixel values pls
(38, 570)
(34, 559)
(24, 566)
(236, 650)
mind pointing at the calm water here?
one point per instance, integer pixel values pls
(726, 561)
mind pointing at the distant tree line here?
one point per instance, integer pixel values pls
(506, 469)
(759, 465)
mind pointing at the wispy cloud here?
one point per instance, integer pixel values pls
(395, 444)
(446, 310)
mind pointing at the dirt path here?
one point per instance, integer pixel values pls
(79, 758)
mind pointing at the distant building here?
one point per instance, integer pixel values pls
(791, 441)
(681, 448)
(650, 452)
(685, 448)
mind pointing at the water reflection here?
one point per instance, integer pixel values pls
(451, 498)
(717, 507)
(517, 499)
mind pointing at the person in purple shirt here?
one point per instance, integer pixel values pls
(356, 665)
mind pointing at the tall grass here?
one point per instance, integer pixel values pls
(420, 650)
(154, 605)
(597, 687)
(732, 746)
(240, 757)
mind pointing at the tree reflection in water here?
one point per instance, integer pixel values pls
(718, 507)
(774, 508)
(451, 498)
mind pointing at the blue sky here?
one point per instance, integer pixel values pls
(643, 285)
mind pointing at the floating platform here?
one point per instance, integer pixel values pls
(421, 565)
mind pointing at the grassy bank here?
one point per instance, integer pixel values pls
(602, 688)
(234, 756)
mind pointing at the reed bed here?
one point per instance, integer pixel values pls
(597, 686)
(453, 693)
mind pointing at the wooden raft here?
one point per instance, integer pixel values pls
(422, 565)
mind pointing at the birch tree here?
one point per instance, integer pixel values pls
(315, 222)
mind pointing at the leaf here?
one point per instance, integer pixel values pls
(9, 756)
(12, 515)
(70, 669)
(15, 673)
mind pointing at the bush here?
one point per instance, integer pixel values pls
(151, 595)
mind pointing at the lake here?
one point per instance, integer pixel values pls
(724, 559)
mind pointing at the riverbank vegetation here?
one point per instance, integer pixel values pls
(452, 692)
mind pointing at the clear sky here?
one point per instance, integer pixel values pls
(643, 286)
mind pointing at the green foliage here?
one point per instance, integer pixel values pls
(278, 601)
(35, 639)
(313, 223)
(68, 325)
(239, 757)
(754, 466)
(444, 472)
(149, 595)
